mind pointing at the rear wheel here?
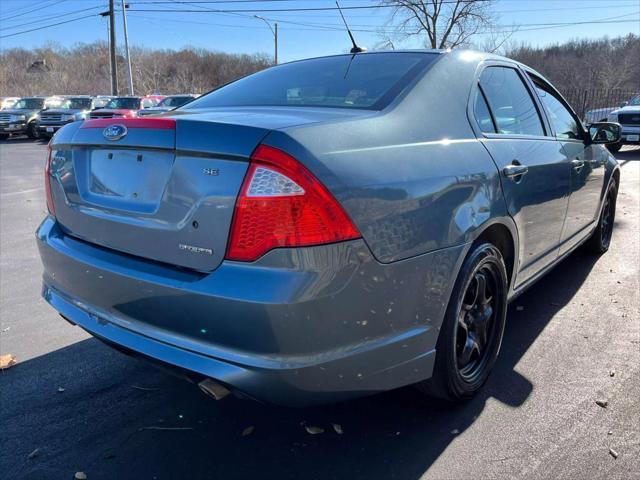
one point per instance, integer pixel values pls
(601, 237)
(472, 329)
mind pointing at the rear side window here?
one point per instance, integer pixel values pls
(482, 114)
(367, 81)
(513, 109)
(564, 123)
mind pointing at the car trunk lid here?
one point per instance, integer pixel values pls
(159, 189)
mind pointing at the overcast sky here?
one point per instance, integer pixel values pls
(320, 33)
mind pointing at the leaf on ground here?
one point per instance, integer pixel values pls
(7, 361)
(314, 430)
(613, 453)
(80, 476)
(602, 403)
(34, 453)
(338, 428)
(248, 431)
(60, 389)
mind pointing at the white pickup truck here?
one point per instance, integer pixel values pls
(629, 117)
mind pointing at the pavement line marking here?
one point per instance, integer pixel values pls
(20, 192)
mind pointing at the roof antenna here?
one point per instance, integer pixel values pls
(355, 48)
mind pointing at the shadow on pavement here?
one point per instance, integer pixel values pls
(100, 423)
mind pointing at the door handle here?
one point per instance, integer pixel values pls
(515, 172)
(577, 164)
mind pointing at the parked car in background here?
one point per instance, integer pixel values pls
(125, 107)
(7, 102)
(168, 103)
(100, 101)
(21, 118)
(629, 117)
(597, 115)
(326, 228)
(72, 109)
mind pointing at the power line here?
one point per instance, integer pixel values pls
(44, 19)
(297, 9)
(48, 26)
(34, 10)
(327, 28)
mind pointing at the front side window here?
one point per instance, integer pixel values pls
(367, 81)
(513, 109)
(564, 123)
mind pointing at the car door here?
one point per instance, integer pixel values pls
(535, 172)
(587, 164)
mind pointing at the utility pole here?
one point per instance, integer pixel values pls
(275, 36)
(112, 48)
(126, 46)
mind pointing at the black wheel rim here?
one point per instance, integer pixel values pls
(477, 322)
(606, 227)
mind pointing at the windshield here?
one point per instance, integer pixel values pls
(29, 104)
(127, 103)
(174, 102)
(635, 100)
(76, 104)
(348, 81)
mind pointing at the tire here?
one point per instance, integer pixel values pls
(32, 131)
(614, 147)
(600, 239)
(460, 368)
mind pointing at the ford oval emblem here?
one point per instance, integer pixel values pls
(114, 132)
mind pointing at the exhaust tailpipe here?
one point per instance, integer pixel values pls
(213, 389)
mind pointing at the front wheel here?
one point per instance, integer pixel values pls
(600, 239)
(472, 329)
(32, 131)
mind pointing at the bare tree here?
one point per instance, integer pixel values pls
(442, 23)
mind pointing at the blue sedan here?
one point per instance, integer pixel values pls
(326, 228)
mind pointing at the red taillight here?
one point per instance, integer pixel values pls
(281, 204)
(47, 184)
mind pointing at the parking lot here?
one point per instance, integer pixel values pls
(72, 404)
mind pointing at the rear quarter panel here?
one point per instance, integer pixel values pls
(414, 178)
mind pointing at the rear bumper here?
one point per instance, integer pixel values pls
(299, 327)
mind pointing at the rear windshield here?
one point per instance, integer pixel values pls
(124, 103)
(367, 81)
(174, 101)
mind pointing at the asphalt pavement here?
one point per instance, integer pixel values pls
(71, 404)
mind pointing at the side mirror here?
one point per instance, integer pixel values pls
(624, 104)
(605, 132)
